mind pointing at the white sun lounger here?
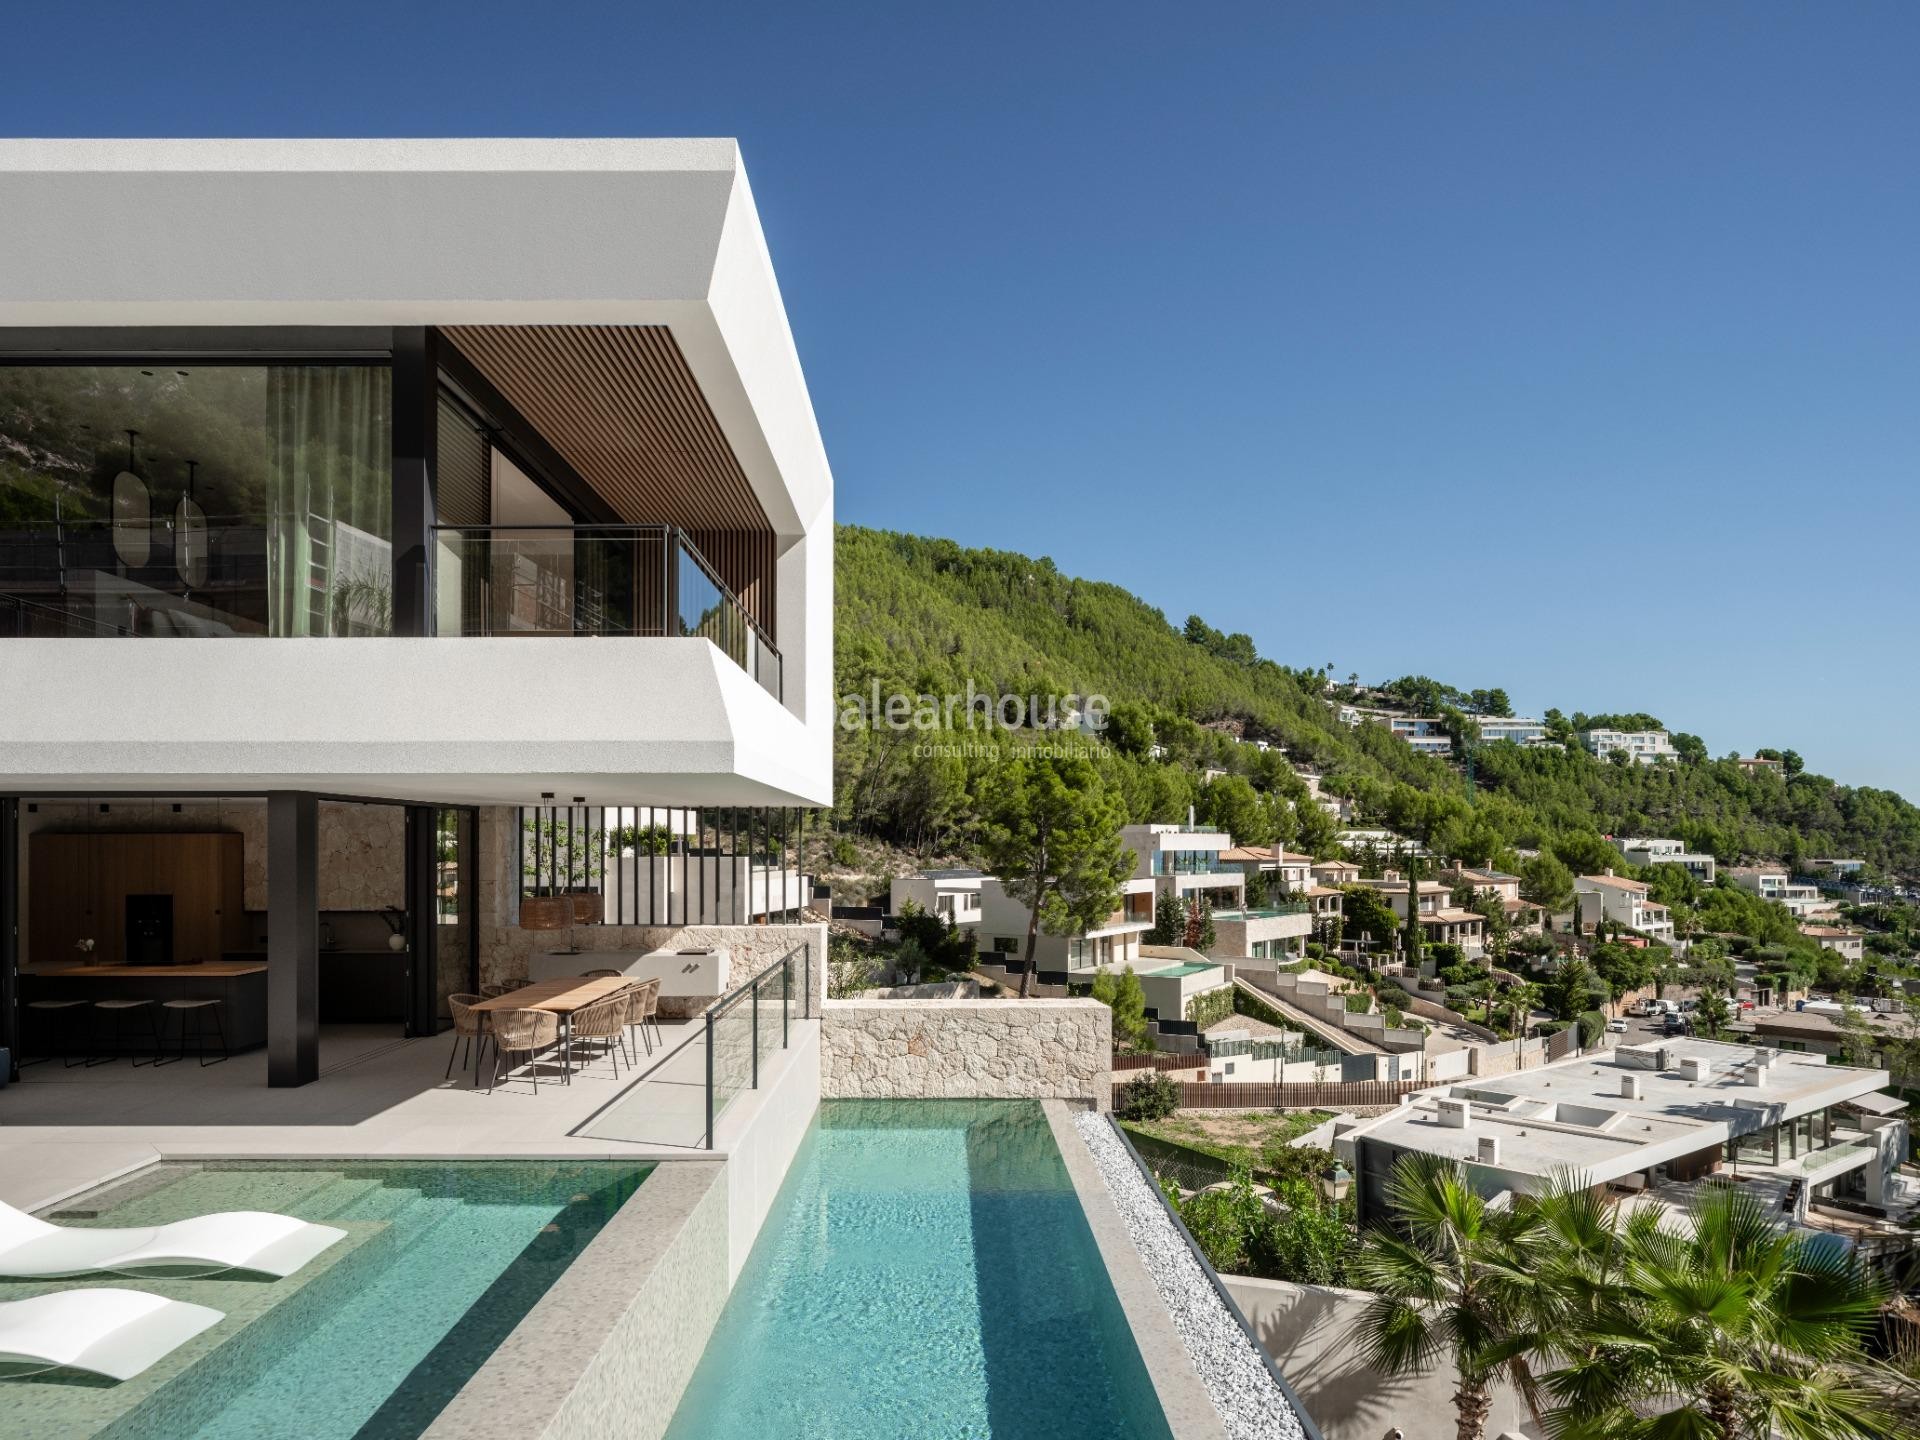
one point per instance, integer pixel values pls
(117, 1333)
(235, 1240)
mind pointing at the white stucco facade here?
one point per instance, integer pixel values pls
(395, 233)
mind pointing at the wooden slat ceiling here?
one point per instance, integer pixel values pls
(620, 405)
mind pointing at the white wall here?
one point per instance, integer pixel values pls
(475, 720)
(1312, 1332)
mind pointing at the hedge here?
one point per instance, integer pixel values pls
(1203, 1010)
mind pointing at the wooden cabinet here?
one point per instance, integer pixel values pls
(78, 887)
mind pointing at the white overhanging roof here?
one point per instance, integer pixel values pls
(114, 233)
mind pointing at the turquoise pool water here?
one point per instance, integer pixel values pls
(1185, 967)
(926, 1272)
(370, 1340)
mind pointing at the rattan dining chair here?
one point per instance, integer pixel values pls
(522, 1032)
(603, 1023)
(644, 1009)
(470, 1025)
(599, 974)
(503, 987)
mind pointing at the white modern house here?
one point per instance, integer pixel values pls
(1645, 850)
(1186, 861)
(1646, 1118)
(1621, 901)
(1113, 944)
(425, 507)
(1643, 747)
(951, 894)
(1423, 734)
(1773, 883)
(1521, 730)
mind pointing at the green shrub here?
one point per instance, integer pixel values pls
(1150, 1095)
(1358, 1002)
(1203, 1010)
(1308, 1242)
(843, 852)
(1592, 1026)
(1315, 950)
(1446, 954)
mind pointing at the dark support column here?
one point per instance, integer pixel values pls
(293, 938)
(470, 893)
(416, 461)
(10, 932)
(423, 920)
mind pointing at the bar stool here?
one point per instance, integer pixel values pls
(62, 1015)
(197, 1011)
(118, 1009)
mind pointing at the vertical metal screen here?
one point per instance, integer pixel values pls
(667, 865)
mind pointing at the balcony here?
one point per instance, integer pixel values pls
(1266, 912)
(593, 580)
(226, 577)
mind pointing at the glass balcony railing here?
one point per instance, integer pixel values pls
(628, 580)
(1266, 912)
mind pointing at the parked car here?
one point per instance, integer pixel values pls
(1674, 1025)
(1617, 1027)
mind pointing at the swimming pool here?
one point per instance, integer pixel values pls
(926, 1271)
(1183, 968)
(369, 1340)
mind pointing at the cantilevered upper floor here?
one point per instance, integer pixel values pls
(392, 422)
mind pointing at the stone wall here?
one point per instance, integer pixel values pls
(953, 1049)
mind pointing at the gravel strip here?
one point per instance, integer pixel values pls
(1251, 1406)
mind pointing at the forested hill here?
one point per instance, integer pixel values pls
(926, 616)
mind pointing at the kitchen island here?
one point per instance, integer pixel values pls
(240, 985)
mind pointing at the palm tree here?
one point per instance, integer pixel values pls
(1522, 998)
(1714, 1013)
(1739, 1331)
(1453, 1274)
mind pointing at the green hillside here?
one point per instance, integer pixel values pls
(925, 616)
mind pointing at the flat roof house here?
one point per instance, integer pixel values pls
(1643, 747)
(1645, 1117)
(439, 515)
(952, 894)
(1771, 882)
(1640, 850)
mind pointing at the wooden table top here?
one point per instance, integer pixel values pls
(562, 996)
(215, 969)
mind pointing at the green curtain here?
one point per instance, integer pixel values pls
(329, 500)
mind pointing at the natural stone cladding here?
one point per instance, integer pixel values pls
(952, 1049)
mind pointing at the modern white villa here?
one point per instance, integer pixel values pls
(1652, 1119)
(415, 662)
(1646, 850)
(427, 535)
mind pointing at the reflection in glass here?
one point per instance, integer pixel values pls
(132, 513)
(281, 518)
(190, 536)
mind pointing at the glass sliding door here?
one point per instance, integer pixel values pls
(195, 499)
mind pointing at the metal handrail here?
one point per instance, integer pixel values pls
(751, 990)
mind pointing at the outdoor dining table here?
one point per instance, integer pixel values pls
(562, 996)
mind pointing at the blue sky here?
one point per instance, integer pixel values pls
(1569, 349)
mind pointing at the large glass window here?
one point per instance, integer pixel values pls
(196, 500)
